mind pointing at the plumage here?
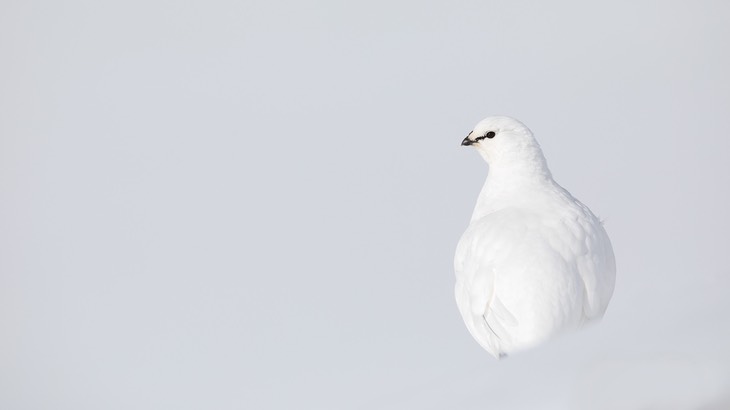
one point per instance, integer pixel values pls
(534, 261)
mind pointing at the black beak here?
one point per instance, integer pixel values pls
(467, 141)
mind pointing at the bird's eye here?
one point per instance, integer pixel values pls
(489, 135)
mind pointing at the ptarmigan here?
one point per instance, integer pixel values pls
(534, 261)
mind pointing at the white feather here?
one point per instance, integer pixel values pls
(534, 261)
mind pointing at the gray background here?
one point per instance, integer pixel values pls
(254, 204)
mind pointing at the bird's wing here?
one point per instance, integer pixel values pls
(586, 244)
(486, 244)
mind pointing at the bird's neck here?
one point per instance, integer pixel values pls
(513, 183)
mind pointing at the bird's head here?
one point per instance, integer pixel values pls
(499, 139)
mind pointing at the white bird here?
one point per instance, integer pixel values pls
(534, 261)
